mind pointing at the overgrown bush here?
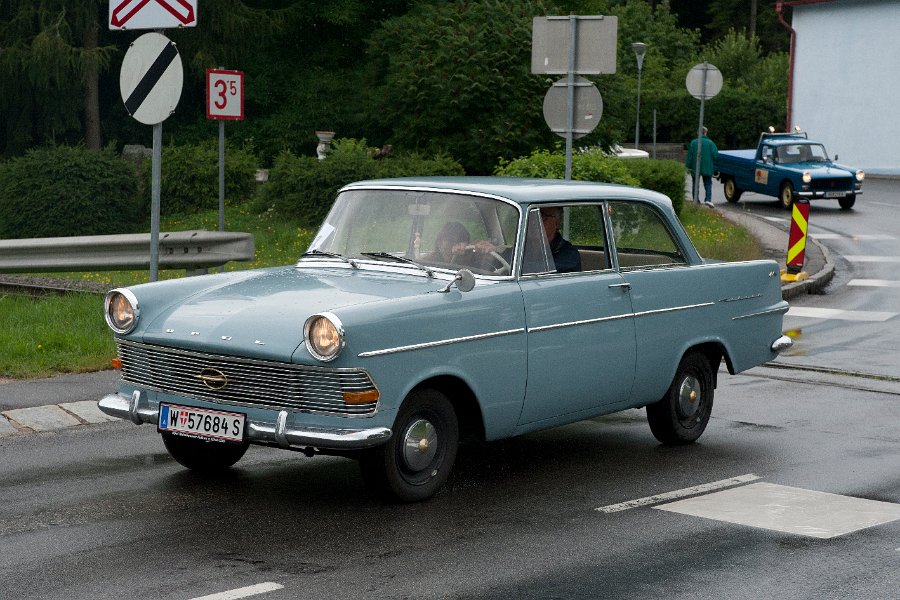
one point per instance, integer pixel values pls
(664, 176)
(190, 177)
(67, 191)
(303, 187)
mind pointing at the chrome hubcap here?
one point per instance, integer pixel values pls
(689, 396)
(420, 445)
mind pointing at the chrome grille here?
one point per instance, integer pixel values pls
(251, 382)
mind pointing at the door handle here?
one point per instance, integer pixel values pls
(625, 286)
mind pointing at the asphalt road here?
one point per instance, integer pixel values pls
(803, 458)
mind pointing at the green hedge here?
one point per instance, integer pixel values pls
(190, 177)
(67, 191)
(664, 176)
(303, 188)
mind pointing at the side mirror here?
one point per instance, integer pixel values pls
(464, 280)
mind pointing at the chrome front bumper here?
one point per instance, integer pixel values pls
(138, 412)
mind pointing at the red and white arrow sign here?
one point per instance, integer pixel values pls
(152, 14)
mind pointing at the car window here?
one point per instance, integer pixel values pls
(581, 245)
(641, 237)
(433, 228)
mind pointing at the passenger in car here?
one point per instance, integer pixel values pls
(565, 255)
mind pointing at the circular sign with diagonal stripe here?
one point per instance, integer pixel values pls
(151, 78)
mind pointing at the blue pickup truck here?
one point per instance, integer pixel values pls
(788, 166)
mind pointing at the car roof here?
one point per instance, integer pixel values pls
(520, 190)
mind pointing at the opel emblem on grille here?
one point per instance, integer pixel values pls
(214, 379)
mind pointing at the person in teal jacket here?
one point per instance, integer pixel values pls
(708, 153)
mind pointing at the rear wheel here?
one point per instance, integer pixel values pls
(847, 202)
(732, 193)
(203, 456)
(417, 460)
(682, 414)
(787, 195)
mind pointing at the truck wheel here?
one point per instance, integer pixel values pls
(416, 461)
(847, 202)
(787, 195)
(683, 412)
(203, 456)
(732, 193)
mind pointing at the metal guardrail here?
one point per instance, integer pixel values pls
(195, 251)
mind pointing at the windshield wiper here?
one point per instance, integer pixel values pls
(396, 258)
(317, 252)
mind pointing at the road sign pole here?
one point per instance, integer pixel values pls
(221, 175)
(696, 181)
(570, 95)
(155, 181)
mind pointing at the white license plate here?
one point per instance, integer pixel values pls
(835, 194)
(200, 422)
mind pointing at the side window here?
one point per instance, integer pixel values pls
(767, 153)
(642, 239)
(565, 239)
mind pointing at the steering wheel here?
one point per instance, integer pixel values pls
(497, 265)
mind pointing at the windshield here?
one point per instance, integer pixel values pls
(798, 153)
(435, 229)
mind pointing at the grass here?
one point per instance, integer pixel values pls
(47, 336)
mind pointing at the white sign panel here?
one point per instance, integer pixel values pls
(595, 44)
(152, 14)
(700, 74)
(151, 78)
(224, 94)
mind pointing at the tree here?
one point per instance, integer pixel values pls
(51, 49)
(455, 76)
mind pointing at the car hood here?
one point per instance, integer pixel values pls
(818, 170)
(262, 315)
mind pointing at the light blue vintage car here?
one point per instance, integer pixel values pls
(430, 310)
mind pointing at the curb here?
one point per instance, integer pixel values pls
(816, 282)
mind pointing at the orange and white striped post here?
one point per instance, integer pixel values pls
(796, 253)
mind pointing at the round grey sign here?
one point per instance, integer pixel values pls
(695, 80)
(587, 107)
(151, 78)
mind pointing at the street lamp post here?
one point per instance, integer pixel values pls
(640, 49)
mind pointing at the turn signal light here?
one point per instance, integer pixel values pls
(116, 363)
(366, 397)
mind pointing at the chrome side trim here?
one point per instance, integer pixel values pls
(616, 317)
(761, 313)
(468, 338)
(540, 328)
(657, 311)
(258, 432)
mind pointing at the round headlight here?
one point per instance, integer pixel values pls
(121, 308)
(860, 175)
(806, 177)
(324, 336)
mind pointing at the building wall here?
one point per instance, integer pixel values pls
(847, 80)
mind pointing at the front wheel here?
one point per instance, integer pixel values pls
(683, 412)
(787, 195)
(203, 456)
(732, 193)
(847, 202)
(416, 461)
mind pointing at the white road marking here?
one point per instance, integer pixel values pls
(861, 237)
(865, 258)
(788, 509)
(691, 491)
(839, 314)
(244, 592)
(874, 282)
